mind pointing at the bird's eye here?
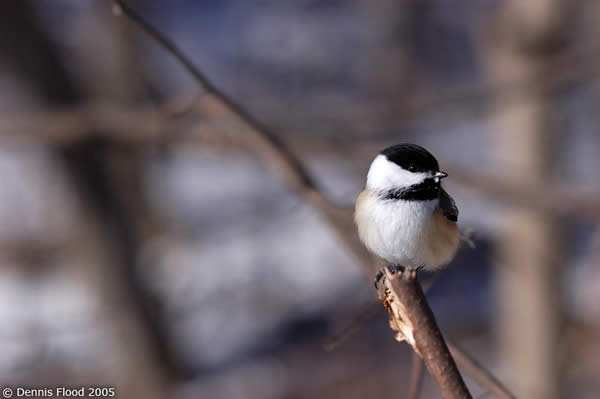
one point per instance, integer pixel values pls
(411, 168)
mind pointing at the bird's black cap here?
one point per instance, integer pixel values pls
(411, 157)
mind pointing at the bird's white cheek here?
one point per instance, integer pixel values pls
(385, 175)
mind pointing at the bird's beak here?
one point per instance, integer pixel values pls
(439, 176)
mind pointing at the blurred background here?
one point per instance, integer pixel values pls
(146, 243)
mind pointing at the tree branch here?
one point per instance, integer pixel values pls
(412, 318)
(288, 165)
(479, 373)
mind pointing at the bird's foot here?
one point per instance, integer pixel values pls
(414, 272)
(398, 270)
(404, 273)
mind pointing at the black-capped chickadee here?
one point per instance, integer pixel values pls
(404, 215)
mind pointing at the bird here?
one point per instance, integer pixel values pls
(404, 215)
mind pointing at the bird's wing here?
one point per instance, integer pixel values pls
(448, 206)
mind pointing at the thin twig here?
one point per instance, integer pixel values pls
(339, 338)
(288, 166)
(370, 310)
(479, 373)
(299, 178)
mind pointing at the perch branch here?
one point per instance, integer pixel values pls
(412, 318)
(297, 177)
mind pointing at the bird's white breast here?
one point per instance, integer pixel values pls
(407, 233)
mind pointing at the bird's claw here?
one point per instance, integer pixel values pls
(398, 270)
(378, 277)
